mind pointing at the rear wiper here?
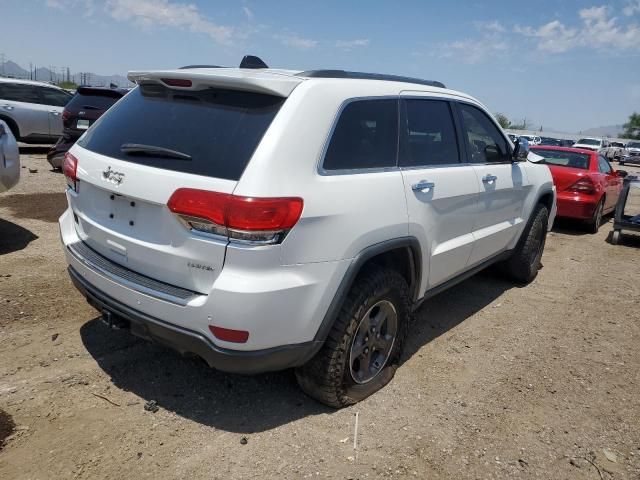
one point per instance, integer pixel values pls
(139, 149)
(91, 107)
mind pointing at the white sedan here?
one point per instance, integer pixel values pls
(9, 158)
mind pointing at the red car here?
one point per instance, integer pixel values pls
(587, 186)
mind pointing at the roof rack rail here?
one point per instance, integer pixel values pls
(368, 76)
(200, 66)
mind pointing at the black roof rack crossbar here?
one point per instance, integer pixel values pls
(368, 76)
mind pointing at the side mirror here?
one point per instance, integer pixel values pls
(521, 152)
(622, 173)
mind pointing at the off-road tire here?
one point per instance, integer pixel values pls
(327, 376)
(595, 223)
(524, 263)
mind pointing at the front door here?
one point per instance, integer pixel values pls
(441, 191)
(502, 183)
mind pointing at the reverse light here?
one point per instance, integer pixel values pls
(229, 335)
(70, 170)
(584, 185)
(250, 219)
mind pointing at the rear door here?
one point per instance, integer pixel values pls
(121, 203)
(22, 102)
(503, 184)
(55, 99)
(441, 191)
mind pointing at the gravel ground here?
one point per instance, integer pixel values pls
(497, 382)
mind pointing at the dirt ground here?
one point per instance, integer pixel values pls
(497, 382)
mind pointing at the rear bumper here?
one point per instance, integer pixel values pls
(55, 155)
(189, 342)
(576, 206)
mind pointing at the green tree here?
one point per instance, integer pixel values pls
(503, 120)
(68, 85)
(632, 127)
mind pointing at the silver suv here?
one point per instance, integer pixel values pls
(32, 110)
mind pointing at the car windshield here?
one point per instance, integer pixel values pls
(563, 159)
(588, 141)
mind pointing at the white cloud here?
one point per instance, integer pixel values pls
(491, 43)
(163, 13)
(351, 44)
(632, 8)
(598, 30)
(154, 13)
(295, 41)
(493, 26)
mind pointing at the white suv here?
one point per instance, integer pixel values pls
(33, 110)
(265, 219)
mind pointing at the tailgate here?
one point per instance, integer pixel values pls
(130, 224)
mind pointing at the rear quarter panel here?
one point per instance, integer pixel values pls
(343, 214)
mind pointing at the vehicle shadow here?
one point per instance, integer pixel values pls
(37, 206)
(443, 312)
(26, 149)
(189, 388)
(627, 239)
(578, 228)
(234, 403)
(13, 237)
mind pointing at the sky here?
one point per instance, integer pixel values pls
(565, 65)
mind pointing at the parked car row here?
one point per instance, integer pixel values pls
(37, 112)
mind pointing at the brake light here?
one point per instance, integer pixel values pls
(177, 82)
(70, 170)
(263, 220)
(66, 114)
(229, 335)
(584, 185)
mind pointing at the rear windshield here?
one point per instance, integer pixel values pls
(564, 159)
(218, 129)
(93, 101)
(588, 141)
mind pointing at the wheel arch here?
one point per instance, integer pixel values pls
(401, 254)
(13, 126)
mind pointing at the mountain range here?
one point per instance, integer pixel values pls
(44, 74)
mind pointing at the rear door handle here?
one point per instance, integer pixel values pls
(423, 186)
(489, 178)
(54, 112)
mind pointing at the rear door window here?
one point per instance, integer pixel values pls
(217, 129)
(54, 97)
(365, 136)
(19, 92)
(428, 134)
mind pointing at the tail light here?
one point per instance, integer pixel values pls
(584, 185)
(66, 114)
(250, 219)
(70, 170)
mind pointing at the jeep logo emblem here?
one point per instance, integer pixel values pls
(112, 176)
